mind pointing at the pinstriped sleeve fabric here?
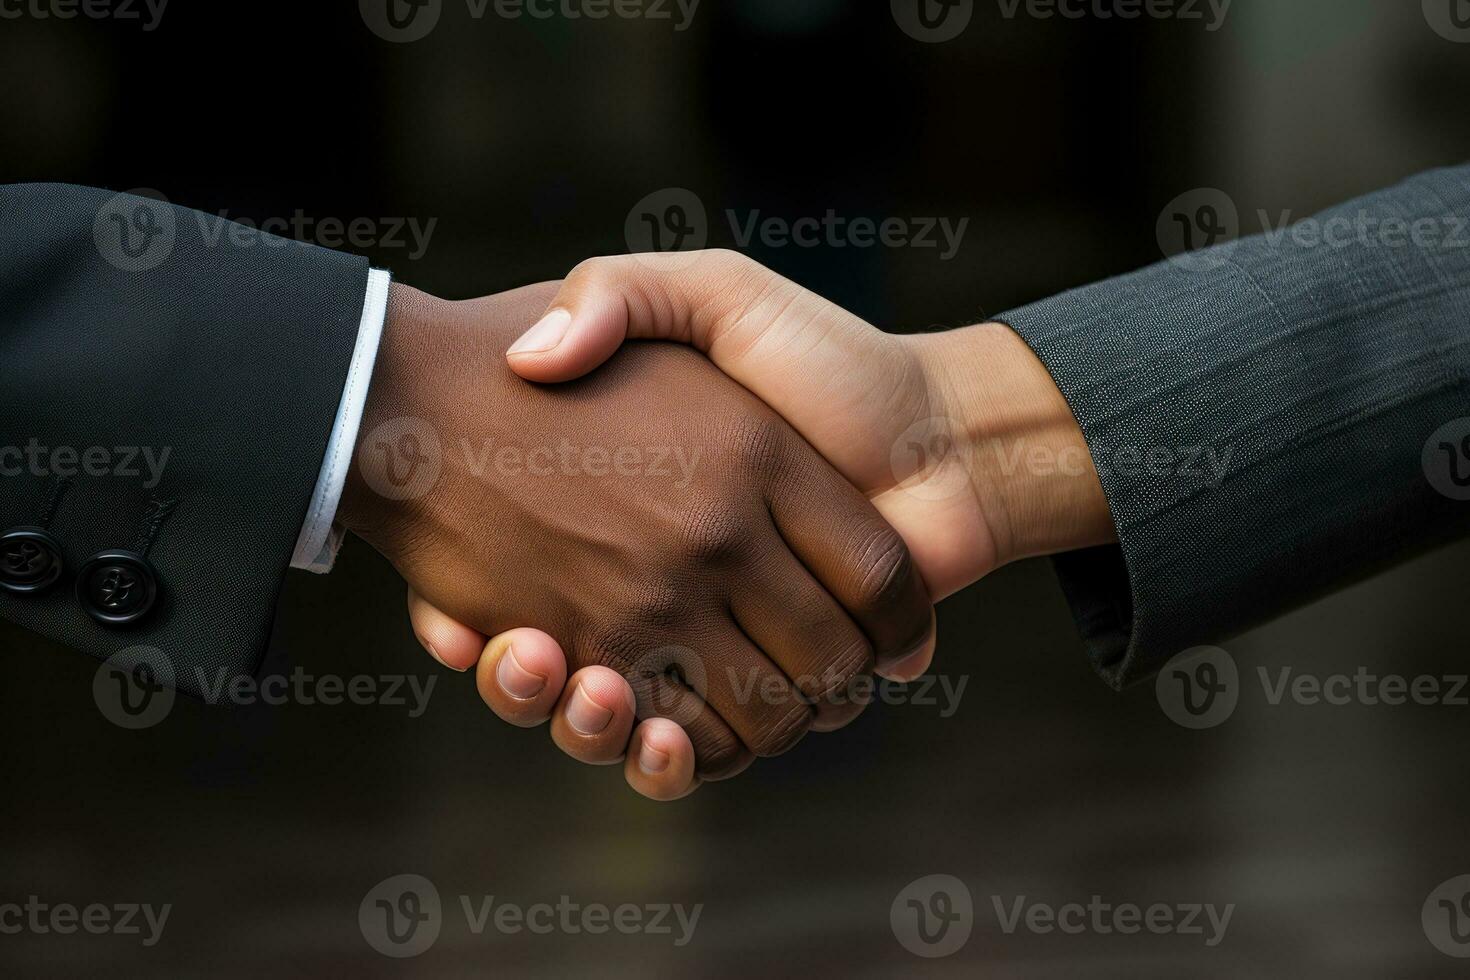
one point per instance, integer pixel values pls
(1271, 420)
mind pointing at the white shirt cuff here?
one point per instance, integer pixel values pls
(316, 549)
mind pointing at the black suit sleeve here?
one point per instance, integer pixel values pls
(168, 386)
(1272, 420)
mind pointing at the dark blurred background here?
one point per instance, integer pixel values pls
(530, 143)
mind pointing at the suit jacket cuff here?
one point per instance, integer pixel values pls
(1262, 417)
(316, 549)
(131, 322)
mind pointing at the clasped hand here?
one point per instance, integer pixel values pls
(842, 479)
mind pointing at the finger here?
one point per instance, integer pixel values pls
(860, 560)
(663, 683)
(689, 298)
(448, 641)
(788, 346)
(594, 718)
(521, 675)
(660, 763)
(752, 695)
(790, 616)
(915, 665)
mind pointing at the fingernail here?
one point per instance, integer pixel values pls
(652, 760)
(435, 654)
(545, 335)
(586, 715)
(515, 679)
(910, 666)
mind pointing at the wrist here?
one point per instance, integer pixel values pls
(1029, 463)
(383, 479)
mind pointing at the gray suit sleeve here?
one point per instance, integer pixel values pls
(1272, 419)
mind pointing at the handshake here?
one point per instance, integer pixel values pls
(691, 552)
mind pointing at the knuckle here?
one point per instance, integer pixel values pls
(885, 571)
(756, 442)
(716, 753)
(620, 651)
(606, 274)
(779, 735)
(654, 612)
(667, 680)
(595, 646)
(712, 535)
(591, 270)
(730, 260)
(830, 685)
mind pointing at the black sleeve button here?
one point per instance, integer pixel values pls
(30, 560)
(117, 588)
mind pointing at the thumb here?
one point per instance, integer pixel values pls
(684, 297)
(448, 641)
